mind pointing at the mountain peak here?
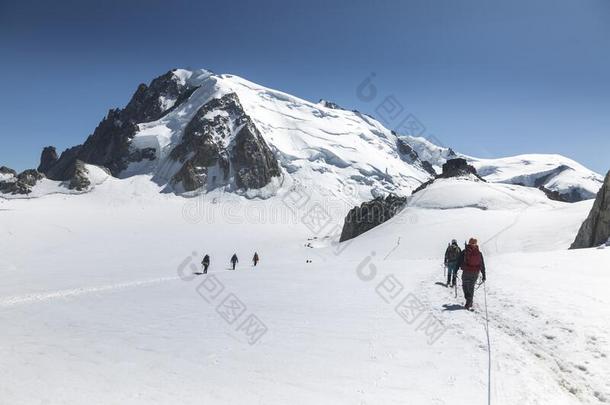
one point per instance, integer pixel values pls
(191, 130)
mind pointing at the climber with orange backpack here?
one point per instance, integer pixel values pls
(471, 262)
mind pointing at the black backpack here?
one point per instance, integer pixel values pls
(453, 253)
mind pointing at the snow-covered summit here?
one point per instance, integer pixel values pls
(553, 172)
(311, 143)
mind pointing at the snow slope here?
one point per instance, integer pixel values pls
(98, 303)
(555, 172)
(552, 171)
(464, 192)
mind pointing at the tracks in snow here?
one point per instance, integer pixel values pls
(574, 359)
(75, 292)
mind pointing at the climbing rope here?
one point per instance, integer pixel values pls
(488, 347)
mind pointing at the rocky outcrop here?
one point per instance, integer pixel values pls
(22, 183)
(458, 167)
(149, 103)
(553, 195)
(79, 180)
(406, 150)
(14, 187)
(370, 214)
(576, 194)
(596, 228)
(330, 104)
(221, 145)
(30, 177)
(63, 168)
(409, 155)
(252, 160)
(48, 158)
(453, 168)
(110, 144)
(190, 177)
(428, 167)
(7, 171)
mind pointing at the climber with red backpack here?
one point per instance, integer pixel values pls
(471, 262)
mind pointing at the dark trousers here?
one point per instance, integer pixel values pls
(234, 265)
(469, 280)
(205, 268)
(452, 269)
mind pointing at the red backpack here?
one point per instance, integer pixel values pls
(472, 258)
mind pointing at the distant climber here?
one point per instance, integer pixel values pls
(205, 263)
(471, 262)
(452, 255)
(234, 260)
(255, 259)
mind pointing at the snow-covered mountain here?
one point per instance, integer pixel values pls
(112, 307)
(193, 131)
(553, 172)
(573, 181)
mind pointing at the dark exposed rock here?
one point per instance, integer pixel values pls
(191, 177)
(596, 228)
(370, 214)
(202, 145)
(7, 170)
(330, 104)
(428, 167)
(406, 150)
(423, 186)
(139, 155)
(206, 145)
(109, 145)
(30, 177)
(456, 168)
(80, 179)
(410, 155)
(252, 160)
(575, 195)
(64, 167)
(48, 158)
(14, 187)
(453, 168)
(553, 195)
(22, 183)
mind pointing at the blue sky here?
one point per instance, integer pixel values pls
(489, 79)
